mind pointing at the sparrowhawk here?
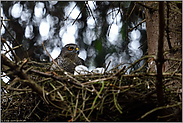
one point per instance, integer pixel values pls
(68, 58)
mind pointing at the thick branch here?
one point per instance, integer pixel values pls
(22, 75)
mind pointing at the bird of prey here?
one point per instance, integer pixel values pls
(68, 58)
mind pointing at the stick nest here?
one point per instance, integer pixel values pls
(35, 93)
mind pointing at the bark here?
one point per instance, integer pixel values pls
(160, 59)
(164, 38)
(172, 34)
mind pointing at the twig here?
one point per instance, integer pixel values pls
(151, 74)
(173, 59)
(13, 37)
(15, 56)
(147, 7)
(79, 14)
(136, 25)
(52, 58)
(22, 75)
(60, 78)
(76, 105)
(158, 108)
(131, 11)
(84, 115)
(83, 103)
(172, 66)
(91, 13)
(93, 104)
(118, 72)
(16, 89)
(66, 88)
(70, 12)
(108, 31)
(143, 57)
(27, 117)
(97, 80)
(131, 75)
(61, 97)
(116, 104)
(96, 91)
(13, 82)
(24, 62)
(59, 87)
(16, 47)
(107, 66)
(56, 105)
(176, 69)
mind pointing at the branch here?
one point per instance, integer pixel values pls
(22, 75)
(79, 14)
(52, 59)
(147, 7)
(158, 108)
(136, 25)
(10, 49)
(61, 78)
(133, 75)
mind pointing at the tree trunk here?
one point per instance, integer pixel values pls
(172, 42)
(173, 33)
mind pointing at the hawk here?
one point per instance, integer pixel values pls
(68, 58)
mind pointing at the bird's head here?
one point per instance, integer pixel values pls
(70, 49)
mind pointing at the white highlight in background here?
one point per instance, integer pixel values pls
(16, 10)
(44, 28)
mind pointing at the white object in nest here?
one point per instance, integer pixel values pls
(81, 69)
(99, 70)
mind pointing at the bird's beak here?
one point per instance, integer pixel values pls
(77, 50)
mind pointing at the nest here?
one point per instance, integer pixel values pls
(37, 94)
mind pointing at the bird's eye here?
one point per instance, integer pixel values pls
(70, 48)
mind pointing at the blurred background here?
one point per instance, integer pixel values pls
(104, 31)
